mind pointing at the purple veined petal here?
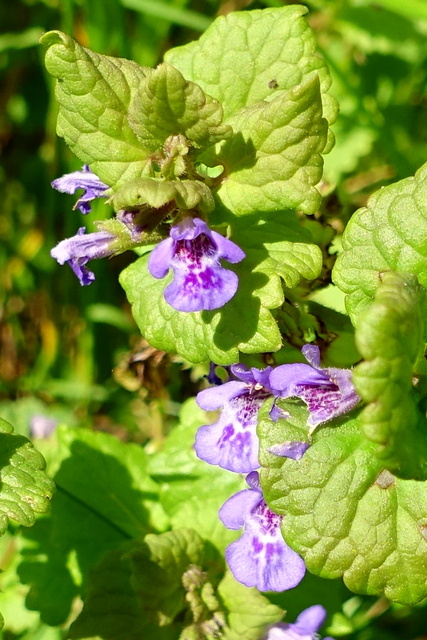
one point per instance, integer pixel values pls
(228, 249)
(87, 246)
(237, 509)
(311, 353)
(201, 290)
(81, 248)
(86, 180)
(252, 480)
(264, 560)
(242, 372)
(216, 397)
(85, 276)
(294, 450)
(200, 282)
(260, 557)
(189, 228)
(232, 442)
(310, 620)
(160, 258)
(287, 377)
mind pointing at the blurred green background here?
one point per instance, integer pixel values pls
(73, 353)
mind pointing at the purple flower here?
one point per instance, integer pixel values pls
(84, 179)
(260, 557)
(194, 252)
(328, 393)
(41, 426)
(305, 627)
(81, 248)
(232, 442)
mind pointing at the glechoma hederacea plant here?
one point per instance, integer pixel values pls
(211, 165)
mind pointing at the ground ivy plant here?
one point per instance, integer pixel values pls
(211, 165)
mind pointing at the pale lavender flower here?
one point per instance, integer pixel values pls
(86, 180)
(305, 627)
(260, 557)
(81, 248)
(328, 392)
(232, 441)
(194, 252)
(42, 426)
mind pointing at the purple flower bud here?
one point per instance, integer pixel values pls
(305, 627)
(81, 248)
(327, 392)
(232, 442)
(194, 252)
(84, 179)
(260, 557)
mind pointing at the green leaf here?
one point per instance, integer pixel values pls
(389, 234)
(249, 56)
(389, 337)
(344, 513)
(188, 194)
(167, 105)
(279, 248)
(249, 612)
(273, 160)
(104, 498)
(25, 488)
(94, 93)
(111, 609)
(169, 569)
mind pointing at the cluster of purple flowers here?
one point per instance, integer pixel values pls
(261, 557)
(193, 251)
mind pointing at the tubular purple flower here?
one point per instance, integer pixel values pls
(86, 180)
(260, 557)
(328, 392)
(194, 252)
(305, 627)
(81, 248)
(232, 442)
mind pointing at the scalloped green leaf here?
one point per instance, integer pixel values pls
(175, 574)
(389, 336)
(344, 513)
(249, 612)
(249, 56)
(25, 489)
(188, 194)
(273, 161)
(389, 234)
(94, 94)
(276, 249)
(167, 105)
(104, 497)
